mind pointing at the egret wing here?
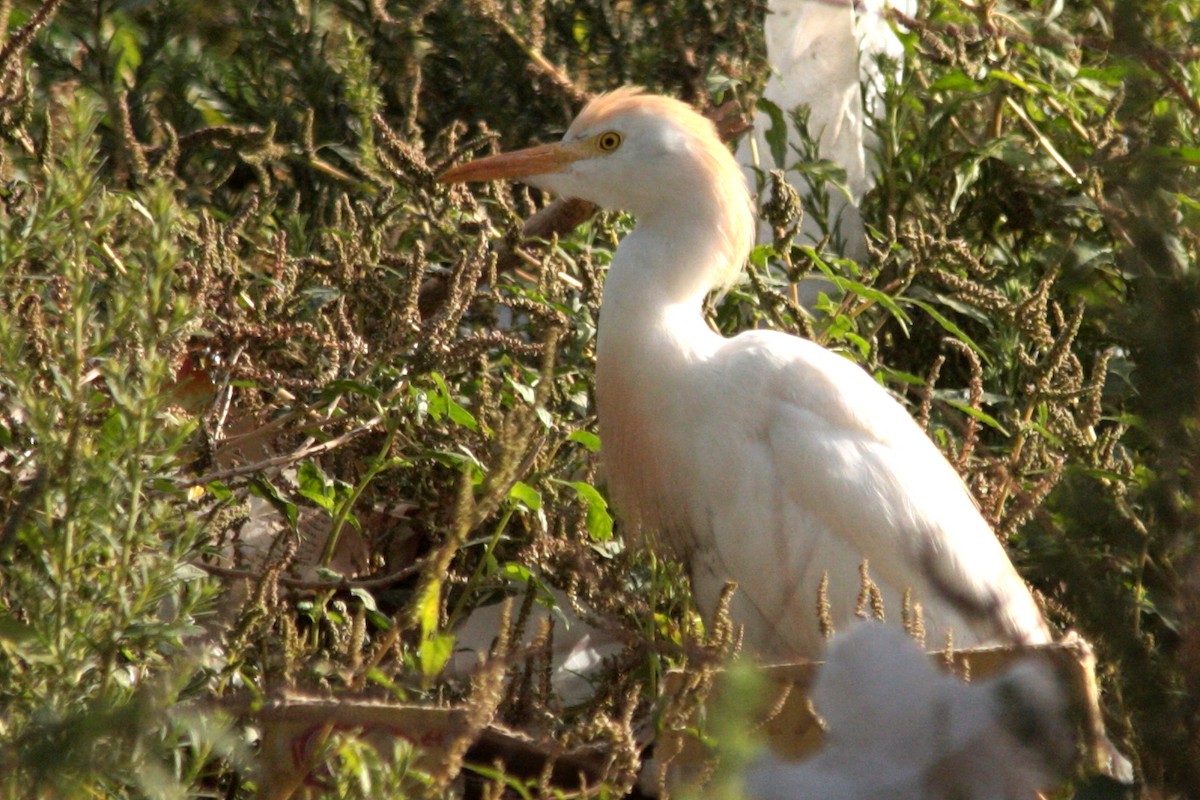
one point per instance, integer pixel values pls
(825, 470)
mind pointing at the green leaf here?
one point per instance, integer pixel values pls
(1190, 202)
(381, 678)
(776, 135)
(14, 632)
(949, 326)
(315, 485)
(461, 416)
(1188, 155)
(1113, 72)
(435, 401)
(516, 572)
(956, 81)
(344, 386)
(499, 777)
(761, 255)
(368, 599)
(586, 438)
(862, 290)
(909, 378)
(599, 522)
(429, 608)
(124, 46)
(317, 297)
(434, 652)
(464, 460)
(188, 572)
(380, 620)
(524, 391)
(261, 487)
(219, 491)
(1046, 433)
(580, 31)
(1008, 77)
(436, 647)
(985, 418)
(525, 495)
(449, 407)
(860, 344)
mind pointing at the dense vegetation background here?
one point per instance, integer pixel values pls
(234, 302)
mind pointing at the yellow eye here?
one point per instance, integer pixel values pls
(608, 141)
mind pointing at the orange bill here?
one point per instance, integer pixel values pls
(538, 160)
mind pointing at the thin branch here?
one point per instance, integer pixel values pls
(382, 582)
(304, 452)
(285, 460)
(537, 59)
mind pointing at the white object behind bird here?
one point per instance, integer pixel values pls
(763, 459)
(576, 659)
(824, 55)
(899, 728)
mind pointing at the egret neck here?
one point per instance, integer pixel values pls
(652, 335)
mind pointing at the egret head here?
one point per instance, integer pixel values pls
(642, 153)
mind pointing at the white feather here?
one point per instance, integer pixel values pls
(896, 727)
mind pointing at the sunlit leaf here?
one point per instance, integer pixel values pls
(315, 485)
(526, 495)
(586, 438)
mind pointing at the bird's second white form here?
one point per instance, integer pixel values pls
(763, 459)
(824, 57)
(898, 728)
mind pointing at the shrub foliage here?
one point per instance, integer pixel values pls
(235, 303)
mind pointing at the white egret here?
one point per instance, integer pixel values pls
(763, 459)
(824, 56)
